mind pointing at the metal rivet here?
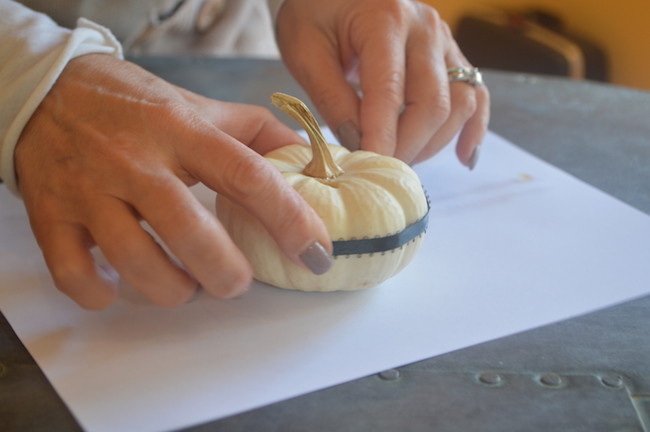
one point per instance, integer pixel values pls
(389, 375)
(551, 380)
(490, 378)
(612, 381)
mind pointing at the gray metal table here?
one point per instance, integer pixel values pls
(590, 373)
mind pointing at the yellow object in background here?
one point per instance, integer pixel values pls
(620, 28)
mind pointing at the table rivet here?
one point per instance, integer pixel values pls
(612, 381)
(389, 375)
(490, 378)
(551, 380)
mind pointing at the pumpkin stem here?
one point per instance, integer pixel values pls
(322, 164)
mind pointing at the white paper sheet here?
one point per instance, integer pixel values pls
(513, 245)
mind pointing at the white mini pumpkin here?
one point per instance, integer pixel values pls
(373, 206)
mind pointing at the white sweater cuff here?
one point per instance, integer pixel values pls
(274, 7)
(24, 86)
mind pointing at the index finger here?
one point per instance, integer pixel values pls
(322, 74)
(382, 74)
(246, 178)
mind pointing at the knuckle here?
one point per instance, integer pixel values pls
(248, 178)
(465, 105)
(68, 276)
(398, 11)
(140, 186)
(483, 93)
(257, 118)
(295, 218)
(259, 112)
(95, 304)
(393, 89)
(173, 110)
(394, 9)
(392, 86)
(180, 226)
(174, 297)
(439, 107)
(431, 18)
(77, 283)
(237, 282)
(327, 100)
(231, 280)
(388, 91)
(445, 29)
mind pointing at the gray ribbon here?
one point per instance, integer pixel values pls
(382, 244)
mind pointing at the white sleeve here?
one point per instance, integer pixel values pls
(274, 7)
(33, 52)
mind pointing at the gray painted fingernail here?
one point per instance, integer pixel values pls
(349, 135)
(109, 273)
(473, 159)
(316, 258)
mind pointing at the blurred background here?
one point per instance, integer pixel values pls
(601, 40)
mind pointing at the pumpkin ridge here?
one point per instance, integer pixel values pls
(375, 210)
(398, 186)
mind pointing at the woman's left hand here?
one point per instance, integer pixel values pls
(399, 53)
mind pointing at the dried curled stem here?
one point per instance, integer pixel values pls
(322, 164)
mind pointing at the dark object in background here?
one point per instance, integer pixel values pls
(534, 42)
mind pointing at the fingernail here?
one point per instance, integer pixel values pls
(473, 159)
(109, 274)
(198, 290)
(349, 136)
(316, 258)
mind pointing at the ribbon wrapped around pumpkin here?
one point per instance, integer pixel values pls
(373, 206)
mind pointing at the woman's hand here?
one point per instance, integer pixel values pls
(112, 146)
(399, 52)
